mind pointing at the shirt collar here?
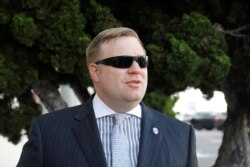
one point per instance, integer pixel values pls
(102, 110)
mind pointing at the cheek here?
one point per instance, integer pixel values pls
(145, 75)
(110, 77)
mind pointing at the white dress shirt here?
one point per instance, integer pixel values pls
(104, 119)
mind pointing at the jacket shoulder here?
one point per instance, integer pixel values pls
(169, 121)
(62, 114)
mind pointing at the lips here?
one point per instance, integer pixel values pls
(134, 83)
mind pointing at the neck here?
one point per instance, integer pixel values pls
(120, 106)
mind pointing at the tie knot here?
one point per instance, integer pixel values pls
(118, 118)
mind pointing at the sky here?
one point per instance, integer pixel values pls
(10, 153)
(189, 101)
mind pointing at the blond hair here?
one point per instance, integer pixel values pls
(94, 47)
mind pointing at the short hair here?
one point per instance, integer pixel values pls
(92, 51)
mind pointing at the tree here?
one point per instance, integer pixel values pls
(42, 46)
(200, 44)
(232, 18)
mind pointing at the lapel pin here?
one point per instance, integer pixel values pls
(155, 131)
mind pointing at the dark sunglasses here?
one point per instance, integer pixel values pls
(124, 61)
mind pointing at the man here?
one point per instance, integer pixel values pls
(87, 135)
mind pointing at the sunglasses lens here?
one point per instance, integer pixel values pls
(125, 61)
(142, 61)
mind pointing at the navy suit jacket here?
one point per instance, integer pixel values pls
(70, 138)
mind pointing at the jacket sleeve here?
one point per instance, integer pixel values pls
(193, 162)
(32, 153)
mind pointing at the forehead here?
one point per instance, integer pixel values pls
(122, 46)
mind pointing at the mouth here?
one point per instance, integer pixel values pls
(134, 83)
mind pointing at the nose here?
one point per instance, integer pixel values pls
(134, 68)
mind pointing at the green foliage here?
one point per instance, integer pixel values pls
(188, 51)
(38, 42)
(4, 16)
(63, 36)
(161, 102)
(43, 40)
(14, 121)
(24, 29)
(238, 13)
(183, 61)
(100, 17)
(14, 80)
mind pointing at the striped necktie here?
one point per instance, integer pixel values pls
(119, 143)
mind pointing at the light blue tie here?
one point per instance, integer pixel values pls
(119, 143)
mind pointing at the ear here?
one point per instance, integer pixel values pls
(93, 70)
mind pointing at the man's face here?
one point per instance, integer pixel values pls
(119, 87)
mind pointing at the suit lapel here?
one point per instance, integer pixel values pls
(86, 132)
(151, 138)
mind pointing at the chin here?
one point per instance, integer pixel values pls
(135, 98)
